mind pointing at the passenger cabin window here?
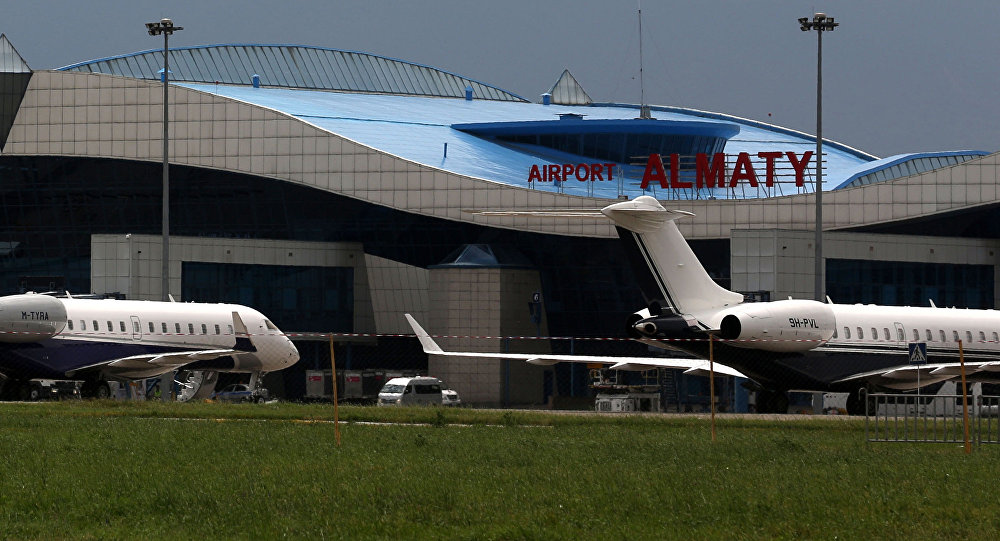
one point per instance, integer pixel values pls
(190, 328)
(995, 338)
(874, 334)
(204, 329)
(941, 332)
(152, 329)
(861, 334)
(69, 323)
(954, 336)
(177, 328)
(847, 333)
(83, 325)
(135, 326)
(217, 329)
(111, 328)
(96, 327)
(121, 324)
(968, 337)
(886, 332)
(982, 336)
(163, 325)
(916, 335)
(930, 337)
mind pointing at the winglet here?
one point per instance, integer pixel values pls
(243, 341)
(428, 343)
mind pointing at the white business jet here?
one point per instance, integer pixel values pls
(43, 336)
(781, 345)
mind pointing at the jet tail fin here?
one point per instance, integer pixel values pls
(678, 276)
(426, 342)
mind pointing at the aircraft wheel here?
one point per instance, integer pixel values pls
(764, 401)
(855, 404)
(779, 402)
(772, 401)
(34, 394)
(102, 391)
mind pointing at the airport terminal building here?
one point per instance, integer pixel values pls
(336, 191)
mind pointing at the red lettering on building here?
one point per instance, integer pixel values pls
(799, 166)
(769, 158)
(654, 171)
(534, 175)
(564, 172)
(713, 176)
(708, 174)
(743, 170)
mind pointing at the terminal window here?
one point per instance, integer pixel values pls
(900, 283)
(300, 298)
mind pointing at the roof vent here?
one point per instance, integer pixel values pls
(255, 80)
(546, 98)
(468, 93)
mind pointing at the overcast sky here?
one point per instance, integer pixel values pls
(899, 76)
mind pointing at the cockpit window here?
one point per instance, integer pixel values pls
(270, 325)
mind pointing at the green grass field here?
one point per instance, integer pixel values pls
(105, 470)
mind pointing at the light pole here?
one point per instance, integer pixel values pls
(165, 27)
(820, 23)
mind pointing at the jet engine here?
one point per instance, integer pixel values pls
(30, 317)
(652, 323)
(792, 325)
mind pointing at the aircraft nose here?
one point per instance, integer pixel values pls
(293, 353)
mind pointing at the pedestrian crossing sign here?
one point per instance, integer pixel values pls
(918, 352)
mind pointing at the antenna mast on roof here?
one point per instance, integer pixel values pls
(643, 108)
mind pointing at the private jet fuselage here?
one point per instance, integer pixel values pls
(792, 344)
(48, 337)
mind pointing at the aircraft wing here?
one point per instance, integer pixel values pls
(154, 364)
(905, 377)
(690, 366)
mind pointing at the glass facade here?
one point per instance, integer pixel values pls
(319, 299)
(620, 147)
(898, 283)
(51, 205)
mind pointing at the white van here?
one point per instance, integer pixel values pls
(419, 391)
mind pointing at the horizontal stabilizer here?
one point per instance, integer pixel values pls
(547, 359)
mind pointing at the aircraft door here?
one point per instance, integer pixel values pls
(136, 328)
(900, 334)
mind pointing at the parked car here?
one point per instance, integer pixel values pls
(240, 392)
(411, 392)
(449, 397)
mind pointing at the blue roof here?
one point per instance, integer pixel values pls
(420, 114)
(418, 128)
(903, 165)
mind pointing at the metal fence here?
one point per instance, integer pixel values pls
(935, 418)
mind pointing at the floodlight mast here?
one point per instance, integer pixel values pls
(820, 23)
(166, 27)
